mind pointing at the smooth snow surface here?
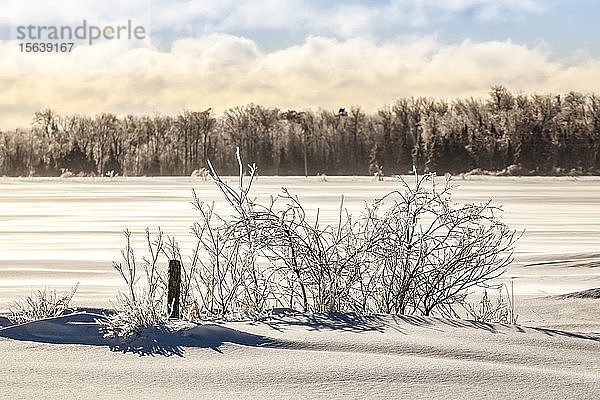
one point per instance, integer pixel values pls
(56, 232)
(298, 356)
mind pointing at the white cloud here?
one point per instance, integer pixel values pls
(342, 18)
(221, 71)
(345, 19)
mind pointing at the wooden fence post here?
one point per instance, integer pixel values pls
(174, 288)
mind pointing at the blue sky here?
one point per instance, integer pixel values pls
(296, 54)
(564, 26)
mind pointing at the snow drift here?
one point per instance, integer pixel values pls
(291, 355)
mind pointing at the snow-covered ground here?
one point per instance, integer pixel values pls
(296, 356)
(56, 232)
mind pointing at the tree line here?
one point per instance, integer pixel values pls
(526, 133)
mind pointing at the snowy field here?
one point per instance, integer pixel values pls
(57, 232)
(342, 356)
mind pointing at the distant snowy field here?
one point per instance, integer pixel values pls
(56, 232)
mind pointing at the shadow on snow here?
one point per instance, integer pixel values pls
(85, 328)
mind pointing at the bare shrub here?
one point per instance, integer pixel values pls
(240, 277)
(46, 303)
(413, 251)
(143, 306)
(226, 280)
(429, 251)
(306, 263)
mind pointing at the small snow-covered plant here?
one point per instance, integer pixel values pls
(144, 304)
(488, 311)
(40, 304)
(133, 316)
(500, 309)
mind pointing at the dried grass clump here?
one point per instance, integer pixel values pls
(498, 310)
(40, 304)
